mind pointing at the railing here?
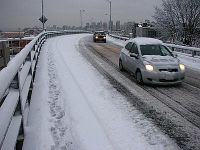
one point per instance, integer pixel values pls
(119, 37)
(16, 84)
(192, 51)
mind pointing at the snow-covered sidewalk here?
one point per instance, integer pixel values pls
(74, 107)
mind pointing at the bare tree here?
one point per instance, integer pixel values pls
(179, 18)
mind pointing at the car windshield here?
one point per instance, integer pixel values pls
(155, 50)
(100, 33)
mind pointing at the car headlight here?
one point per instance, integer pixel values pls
(104, 37)
(149, 67)
(182, 67)
(96, 37)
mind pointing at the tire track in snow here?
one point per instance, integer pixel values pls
(58, 128)
(185, 136)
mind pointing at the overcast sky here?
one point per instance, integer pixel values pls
(16, 14)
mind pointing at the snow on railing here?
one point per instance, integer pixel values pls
(185, 49)
(119, 37)
(193, 51)
(16, 83)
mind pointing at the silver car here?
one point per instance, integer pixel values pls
(151, 62)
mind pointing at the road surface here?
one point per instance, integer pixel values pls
(81, 101)
(180, 100)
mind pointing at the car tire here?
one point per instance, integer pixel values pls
(104, 41)
(121, 68)
(138, 77)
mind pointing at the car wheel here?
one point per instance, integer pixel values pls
(138, 77)
(121, 68)
(104, 41)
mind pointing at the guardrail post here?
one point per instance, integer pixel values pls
(18, 111)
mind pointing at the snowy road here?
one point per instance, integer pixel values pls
(175, 109)
(75, 107)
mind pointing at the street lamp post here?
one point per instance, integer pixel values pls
(107, 22)
(110, 26)
(42, 15)
(110, 17)
(81, 17)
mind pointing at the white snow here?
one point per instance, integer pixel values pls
(190, 62)
(7, 110)
(145, 41)
(74, 107)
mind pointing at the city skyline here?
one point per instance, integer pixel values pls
(25, 13)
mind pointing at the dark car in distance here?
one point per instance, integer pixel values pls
(99, 36)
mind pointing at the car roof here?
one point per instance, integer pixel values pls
(99, 31)
(145, 41)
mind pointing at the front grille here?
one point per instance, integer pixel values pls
(164, 80)
(99, 36)
(169, 70)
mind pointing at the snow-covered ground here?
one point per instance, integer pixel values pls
(74, 107)
(191, 62)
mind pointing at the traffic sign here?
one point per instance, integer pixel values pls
(43, 19)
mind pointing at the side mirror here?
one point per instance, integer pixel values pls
(134, 55)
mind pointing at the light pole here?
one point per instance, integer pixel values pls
(106, 21)
(81, 17)
(42, 15)
(110, 25)
(110, 17)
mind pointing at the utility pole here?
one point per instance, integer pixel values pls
(42, 15)
(43, 19)
(110, 17)
(81, 17)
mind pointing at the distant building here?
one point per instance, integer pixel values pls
(64, 27)
(12, 34)
(118, 25)
(54, 27)
(93, 26)
(87, 26)
(146, 32)
(111, 25)
(4, 54)
(99, 26)
(105, 26)
(128, 28)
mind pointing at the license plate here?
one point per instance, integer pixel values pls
(169, 76)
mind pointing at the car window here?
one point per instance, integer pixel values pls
(134, 49)
(155, 50)
(165, 51)
(128, 45)
(100, 33)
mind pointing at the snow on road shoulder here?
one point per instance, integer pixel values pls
(37, 135)
(47, 127)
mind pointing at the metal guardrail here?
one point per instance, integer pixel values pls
(16, 84)
(193, 51)
(119, 37)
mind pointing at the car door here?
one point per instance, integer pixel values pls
(133, 60)
(125, 54)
